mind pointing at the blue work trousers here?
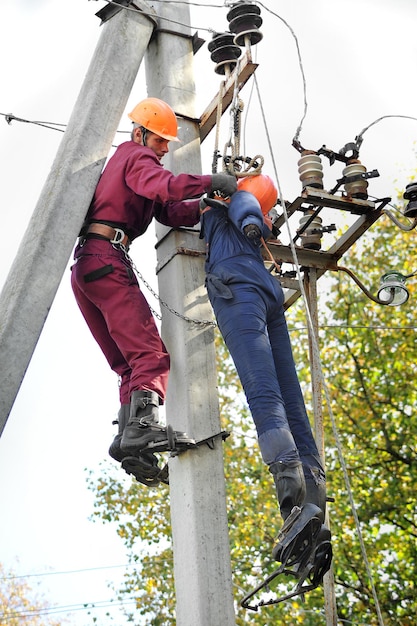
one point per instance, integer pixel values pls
(253, 325)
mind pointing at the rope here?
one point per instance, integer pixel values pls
(256, 163)
(217, 135)
(271, 258)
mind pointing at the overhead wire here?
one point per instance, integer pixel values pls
(64, 572)
(166, 19)
(300, 64)
(77, 606)
(66, 608)
(9, 117)
(359, 138)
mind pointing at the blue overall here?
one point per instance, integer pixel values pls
(248, 305)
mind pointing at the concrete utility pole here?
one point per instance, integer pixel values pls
(202, 567)
(45, 250)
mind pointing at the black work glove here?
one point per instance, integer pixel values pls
(253, 232)
(206, 202)
(203, 204)
(224, 184)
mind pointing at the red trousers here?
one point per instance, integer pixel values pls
(119, 318)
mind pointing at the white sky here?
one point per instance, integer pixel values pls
(359, 60)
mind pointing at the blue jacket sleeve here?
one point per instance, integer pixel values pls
(245, 209)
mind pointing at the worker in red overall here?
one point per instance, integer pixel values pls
(248, 303)
(133, 189)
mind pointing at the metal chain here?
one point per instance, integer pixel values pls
(190, 320)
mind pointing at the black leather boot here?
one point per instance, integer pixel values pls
(122, 419)
(290, 485)
(143, 429)
(280, 453)
(143, 422)
(302, 520)
(323, 553)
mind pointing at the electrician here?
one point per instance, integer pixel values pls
(133, 189)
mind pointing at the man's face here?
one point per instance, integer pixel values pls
(158, 144)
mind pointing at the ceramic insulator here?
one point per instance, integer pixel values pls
(357, 188)
(311, 237)
(310, 169)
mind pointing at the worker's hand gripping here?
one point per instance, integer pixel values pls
(223, 184)
(208, 203)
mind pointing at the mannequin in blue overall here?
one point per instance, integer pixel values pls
(248, 304)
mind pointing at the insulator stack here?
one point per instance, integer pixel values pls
(310, 169)
(356, 188)
(224, 52)
(311, 237)
(244, 20)
(410, 194)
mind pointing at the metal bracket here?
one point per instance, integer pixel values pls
(110, 10)
(208, 119)
(180, 250)
(208, 441)
(196, 41)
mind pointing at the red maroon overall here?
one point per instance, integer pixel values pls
(133, 188)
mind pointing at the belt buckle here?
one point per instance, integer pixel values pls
(119, 235)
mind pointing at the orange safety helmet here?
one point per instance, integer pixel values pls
(262, 187)
(156, 116)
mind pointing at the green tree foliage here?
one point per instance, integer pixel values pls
(20, 605)
(369, 356)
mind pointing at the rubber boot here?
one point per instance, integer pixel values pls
(316, 490)
(122, 419)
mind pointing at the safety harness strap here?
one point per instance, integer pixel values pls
(114, 235)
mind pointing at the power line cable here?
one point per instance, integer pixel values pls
(300, 63)
(9, 117)
(167, 19)
(81, 606)
(65, 572)
(359, 138)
